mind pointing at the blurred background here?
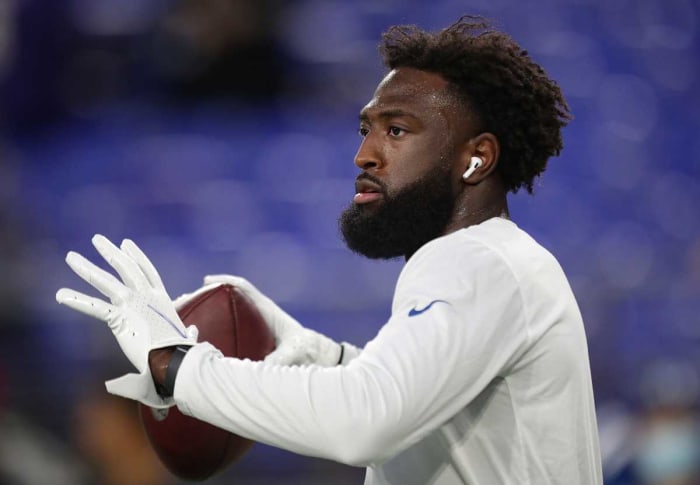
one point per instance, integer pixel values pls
(220, 135)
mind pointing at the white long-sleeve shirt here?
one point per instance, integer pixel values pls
(480, 377)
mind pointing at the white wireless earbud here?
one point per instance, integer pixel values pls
(473, 165)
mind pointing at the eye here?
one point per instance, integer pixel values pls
(363, 131)
(396, 131)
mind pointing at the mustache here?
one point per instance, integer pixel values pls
(378, 182)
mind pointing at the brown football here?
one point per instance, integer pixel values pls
(192, 449)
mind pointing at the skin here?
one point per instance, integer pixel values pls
(158, 360)
(412, 118)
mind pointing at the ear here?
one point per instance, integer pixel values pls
(484, 146)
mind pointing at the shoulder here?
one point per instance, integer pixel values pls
(493, 255)
(464, 260)
(491, 242)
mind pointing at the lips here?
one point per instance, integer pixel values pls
(367, 191)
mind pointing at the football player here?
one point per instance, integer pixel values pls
(481, 374)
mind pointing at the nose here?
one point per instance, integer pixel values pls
(368, 155)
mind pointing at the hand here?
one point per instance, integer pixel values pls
(140, 314)
(296, 345)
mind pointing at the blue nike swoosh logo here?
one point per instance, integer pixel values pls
(415, 311)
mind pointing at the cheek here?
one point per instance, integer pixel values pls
(427, 155)
(405, 166)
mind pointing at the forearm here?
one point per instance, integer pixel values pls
(164, 364)
(407, 382)
(340, 413)
(158, 360)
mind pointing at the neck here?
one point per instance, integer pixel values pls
(478, 203)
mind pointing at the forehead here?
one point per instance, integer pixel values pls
(417, 90)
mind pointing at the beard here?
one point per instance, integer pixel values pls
(404, 221)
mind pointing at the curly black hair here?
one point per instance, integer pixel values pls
(510, 94)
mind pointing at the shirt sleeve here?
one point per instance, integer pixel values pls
(457, 322)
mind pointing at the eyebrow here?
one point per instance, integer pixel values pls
(388, 113)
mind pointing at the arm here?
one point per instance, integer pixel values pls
(416, 374)
(158, 361)
(295, 344)
(146, 325)
(422, 367)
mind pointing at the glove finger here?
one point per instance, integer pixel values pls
(101, 280)
(223, 279)
(192, 332)
(184, 299)
(279, 357)
(82, 303)
(276, 319)
(130, 248)
(239, 282)
(287, 355)
(128, 270)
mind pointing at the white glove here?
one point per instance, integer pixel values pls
(141, 315)
(296, 345)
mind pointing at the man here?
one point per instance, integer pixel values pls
(481, 374)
